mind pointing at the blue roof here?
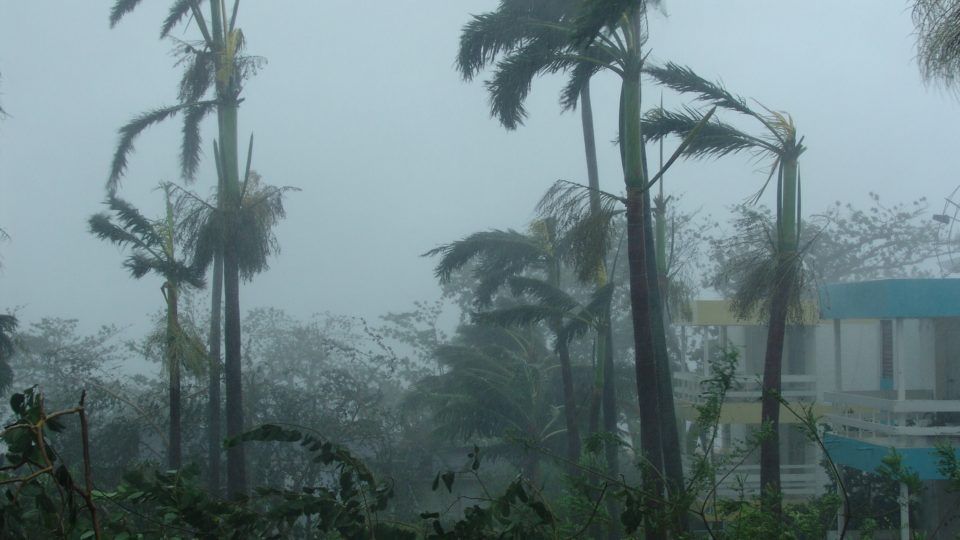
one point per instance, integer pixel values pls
(891, 299)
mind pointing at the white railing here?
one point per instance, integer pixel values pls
(688, 386)
(872, 415)
(802, 480)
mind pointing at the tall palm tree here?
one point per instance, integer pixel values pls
(216, 65)
(609, 35)
(153, 250)
(505, 36)
(769, 281)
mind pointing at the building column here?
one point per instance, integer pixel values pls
(837, 352)
(898, 359)
(904, 501)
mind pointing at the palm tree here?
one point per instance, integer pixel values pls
(217, 64)
(610, 35)
(769, 281)
(152, 246)
(494, 386)
(505, 37)
(512, 258)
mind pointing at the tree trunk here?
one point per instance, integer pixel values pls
(670, 438)
(770, 408)
(635, 178)
(644, 361)
(593, 180)
(236, 466)
(214, 435)
(227, 109)
(788, 232)
(174, 452)
(569, 407)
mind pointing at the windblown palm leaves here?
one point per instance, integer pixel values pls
(147, 241)
(938, 40)
(530, 264)
(524, 40)
(498, 393)
(204, 225)
(778, 143)
(200, 74)
(770, 271)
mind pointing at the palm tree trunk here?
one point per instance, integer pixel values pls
(603, 396)
(214, 435)
(593, 180)
(673, 465)
(635, 178)
(569, 406)
(788, 229)
(770, 407)
(174, 455)
(227, 109)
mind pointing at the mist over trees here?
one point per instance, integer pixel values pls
(531, 396)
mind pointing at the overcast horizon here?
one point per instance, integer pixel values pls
(360, 107)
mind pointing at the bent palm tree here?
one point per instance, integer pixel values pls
(216, 64)
(152, 246)
(609, 35)
(519, 29)
(769, 282)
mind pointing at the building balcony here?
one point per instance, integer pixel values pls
(689, 386)
(797, 481)
(882, 417)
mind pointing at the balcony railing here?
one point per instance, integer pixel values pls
(688, 386)
(879, 414)
(803, 480)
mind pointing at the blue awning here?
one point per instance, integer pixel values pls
(891, 299)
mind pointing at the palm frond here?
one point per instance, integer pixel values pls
(517, 316)
(120, 9)
(594, 16)
(100, 226)
(485, 37)
(190, 143)
(135, 222)
(198, 72)
(514, 76)
(502, 31)
(494, 251)
(580, 77)
(178, 11)
(590, 315)
(546, 294)
(685, 80)
(715, 138)
(129, 132)
(938, 40)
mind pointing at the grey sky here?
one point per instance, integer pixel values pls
(360, 107)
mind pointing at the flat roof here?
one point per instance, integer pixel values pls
(891, 299)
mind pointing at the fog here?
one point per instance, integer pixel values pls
(360, 106)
